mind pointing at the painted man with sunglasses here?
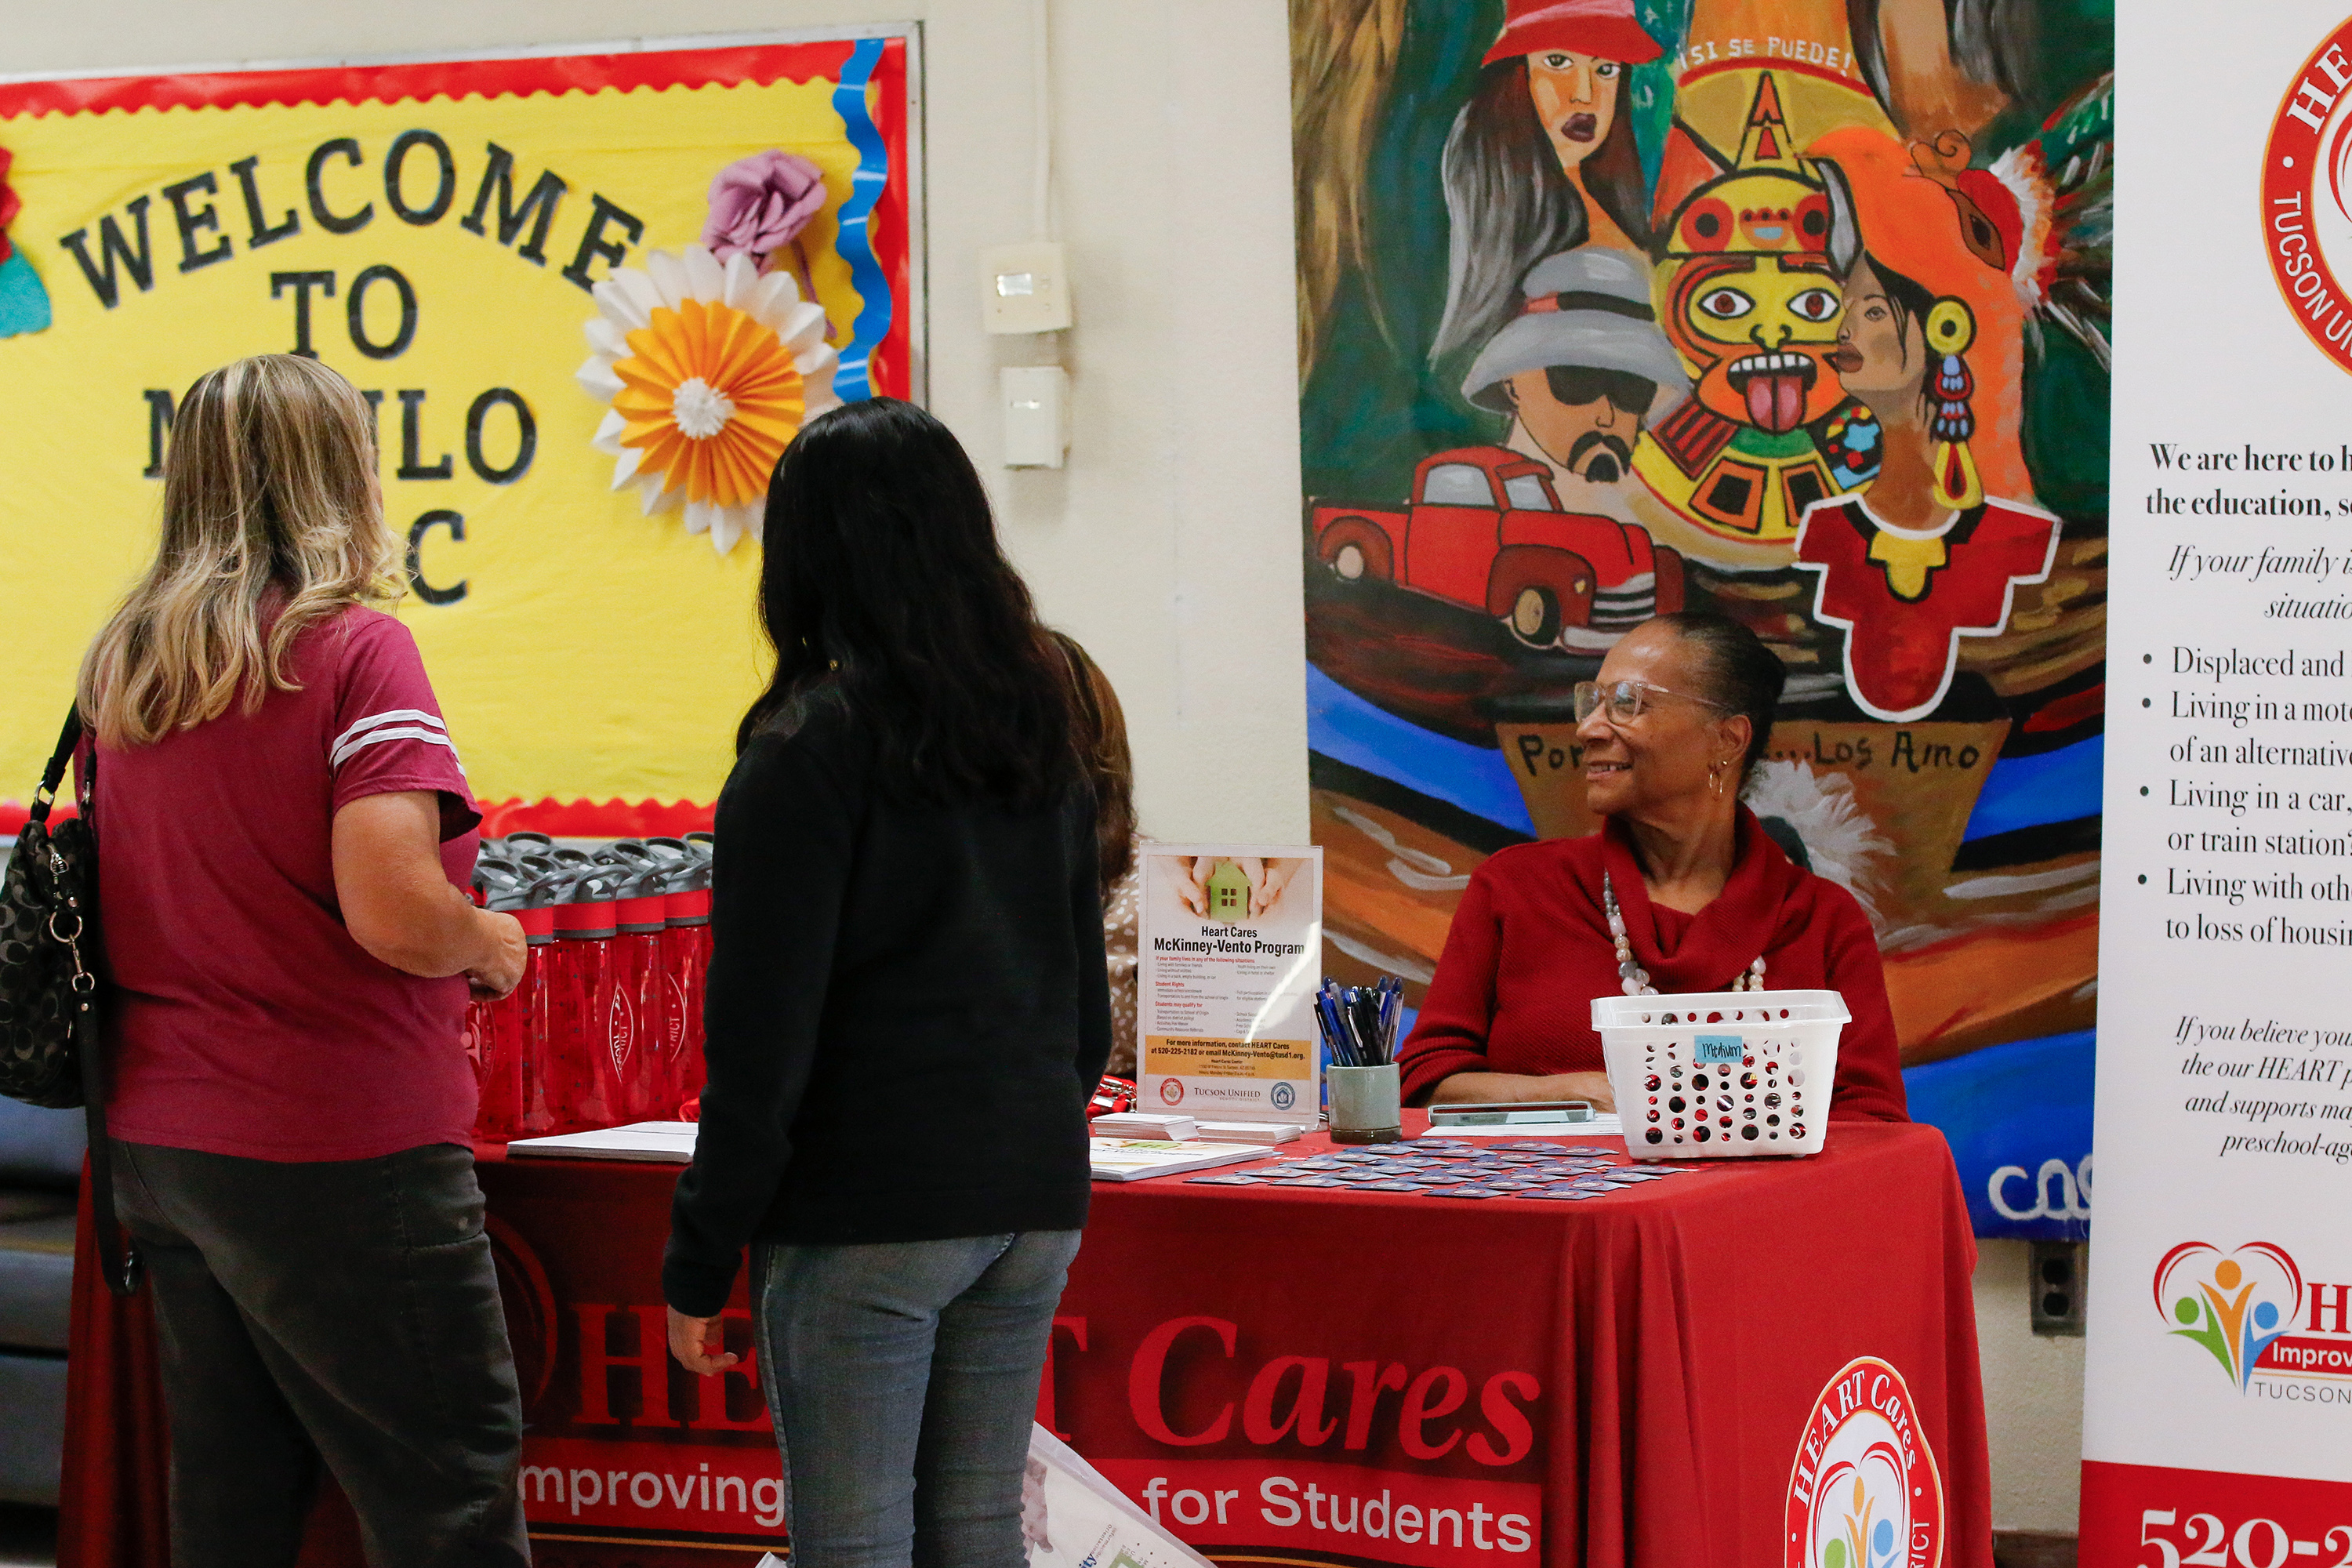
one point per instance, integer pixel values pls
(1577, 372)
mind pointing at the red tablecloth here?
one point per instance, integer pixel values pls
(1720, 1368)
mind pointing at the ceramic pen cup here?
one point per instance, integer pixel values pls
(1364, 1104)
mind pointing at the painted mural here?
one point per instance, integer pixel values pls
(1794, 310)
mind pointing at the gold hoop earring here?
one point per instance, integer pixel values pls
(1714, 777)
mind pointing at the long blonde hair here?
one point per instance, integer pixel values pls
(269, 485)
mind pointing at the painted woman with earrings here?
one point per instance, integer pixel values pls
(1935, 259)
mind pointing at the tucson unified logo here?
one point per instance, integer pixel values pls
(2307, 195)
(2271, 1331)
(1865, 1491)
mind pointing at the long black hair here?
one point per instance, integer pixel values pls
(1509, 204)
(881, 576)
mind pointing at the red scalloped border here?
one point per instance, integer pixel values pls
(596, 819)
(891, 363)
(556, 818)
(756, 64)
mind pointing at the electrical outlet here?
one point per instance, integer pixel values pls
(2056, 1275)
(1025, 289)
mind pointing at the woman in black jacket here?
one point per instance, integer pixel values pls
(907, 1011)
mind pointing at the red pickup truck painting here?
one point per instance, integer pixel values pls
(1485, 530)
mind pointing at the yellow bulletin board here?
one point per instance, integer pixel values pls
(444, 233)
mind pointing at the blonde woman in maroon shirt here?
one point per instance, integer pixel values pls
(286, 837)
(1680, 891)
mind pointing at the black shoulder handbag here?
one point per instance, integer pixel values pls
(49, 1052)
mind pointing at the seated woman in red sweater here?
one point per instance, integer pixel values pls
(1680, 891)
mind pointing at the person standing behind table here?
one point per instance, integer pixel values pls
(1671, 731)
(907, 1011)
(287, 837)
(1111, 768)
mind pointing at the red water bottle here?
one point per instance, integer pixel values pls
(514, 1073)
(638, 977)
(474, 1032)
(494, 878)
(685, 964)
(557, 1045)
(522, 1024)
(592, 1028)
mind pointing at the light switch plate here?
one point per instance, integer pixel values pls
(1037, 405)
(1025, 289)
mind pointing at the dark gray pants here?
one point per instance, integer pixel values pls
(339, 1310)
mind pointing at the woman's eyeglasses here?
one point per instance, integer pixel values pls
(1624, 701)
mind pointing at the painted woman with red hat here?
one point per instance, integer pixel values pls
(1541, 159)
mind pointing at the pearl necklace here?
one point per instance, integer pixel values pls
(1632, 977)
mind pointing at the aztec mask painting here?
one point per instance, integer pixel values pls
(1790, 310)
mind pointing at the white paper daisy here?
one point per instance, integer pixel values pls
(710, 370)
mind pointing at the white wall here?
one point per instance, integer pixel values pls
(2033, 1401)
(1170, 545)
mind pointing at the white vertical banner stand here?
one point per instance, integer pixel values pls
(2218, 1427)
(1230, 943)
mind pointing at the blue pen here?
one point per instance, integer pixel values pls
(1363, 1018)
(1335, 1033)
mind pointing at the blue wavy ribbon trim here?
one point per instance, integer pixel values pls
(854, 244)
(24, 304)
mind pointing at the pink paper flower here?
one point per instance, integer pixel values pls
(9, 204)
(758, 204)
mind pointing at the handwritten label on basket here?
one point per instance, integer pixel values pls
(1717, 1050)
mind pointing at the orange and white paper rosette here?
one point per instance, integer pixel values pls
(710, 369)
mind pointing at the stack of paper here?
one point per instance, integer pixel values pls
(670, 1140)
(1248, 1131)
(1133, 1158)
(1143, 1124)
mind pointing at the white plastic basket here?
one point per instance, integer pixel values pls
(1722, 1075)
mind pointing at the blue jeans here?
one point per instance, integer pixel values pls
(903, 1378)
